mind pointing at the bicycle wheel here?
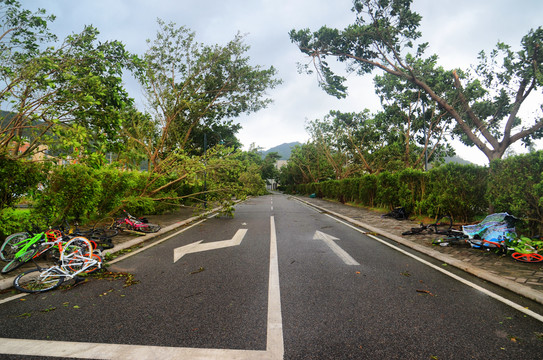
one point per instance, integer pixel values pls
(149, 228)
(17, 262)
(415, 231)
(75, 254)
(12, 265)
(88, 266)
(77, 245)
(37, 280)
(104, 224)
(121, 225)
(531, 258)
(12, 244)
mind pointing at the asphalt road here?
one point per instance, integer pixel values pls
(279, 280)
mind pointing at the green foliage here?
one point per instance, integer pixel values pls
(19, 178)
(480, 106)
(68, 98)
(196, 88)
(456, 190)
(387, 190)
(306, 165)
(412, 189)
(116, 186)
(71, 192)
(269, 171)
(15, 220)
(516, 187)
(139, 205)
(367, 190)
(251, 181)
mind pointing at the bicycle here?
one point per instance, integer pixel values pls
(76, 257)
(443, 226)
(524, 249)
(20, 248)
(130, 222)
(99, 235)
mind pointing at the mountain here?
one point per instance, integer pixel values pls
(458, 160)
(283, 150)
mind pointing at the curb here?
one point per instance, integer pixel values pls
(517, 288)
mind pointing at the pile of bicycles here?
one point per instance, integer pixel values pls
(73, 255)
(495, 232)
(74, 251)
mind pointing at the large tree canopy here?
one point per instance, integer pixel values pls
(67, 97)
(193, 87)
(484, 103)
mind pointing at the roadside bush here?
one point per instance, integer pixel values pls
(350, 189)
(71, 192)
(515, 186)
(412, 189)
(367, 190)
(14, 220)
(19, 178)
(387, 195)
(456, 190)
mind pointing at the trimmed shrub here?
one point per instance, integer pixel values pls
(367, 190)
(412, 189)
(456, 190)
(15, 220)
(387, 195)
(516, 186)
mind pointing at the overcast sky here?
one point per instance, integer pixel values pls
(456, 30)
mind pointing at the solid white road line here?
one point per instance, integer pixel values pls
(275, 344)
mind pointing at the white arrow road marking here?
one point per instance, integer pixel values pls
(329, 240)
(84, 350)
(197, 246)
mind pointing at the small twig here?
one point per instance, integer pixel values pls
(425, 291)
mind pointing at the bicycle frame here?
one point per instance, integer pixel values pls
(29, 242)
(49, 245)
(132, 221)
(65, 269)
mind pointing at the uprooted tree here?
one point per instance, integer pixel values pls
(193, 91)
(483, 103)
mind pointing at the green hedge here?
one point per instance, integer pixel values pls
(516, 186)
(456, 190)
(467, 192)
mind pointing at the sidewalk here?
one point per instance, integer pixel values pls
(525, 279)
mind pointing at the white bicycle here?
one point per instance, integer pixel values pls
(77, 256)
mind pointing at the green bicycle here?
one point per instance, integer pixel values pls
(20, 248)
